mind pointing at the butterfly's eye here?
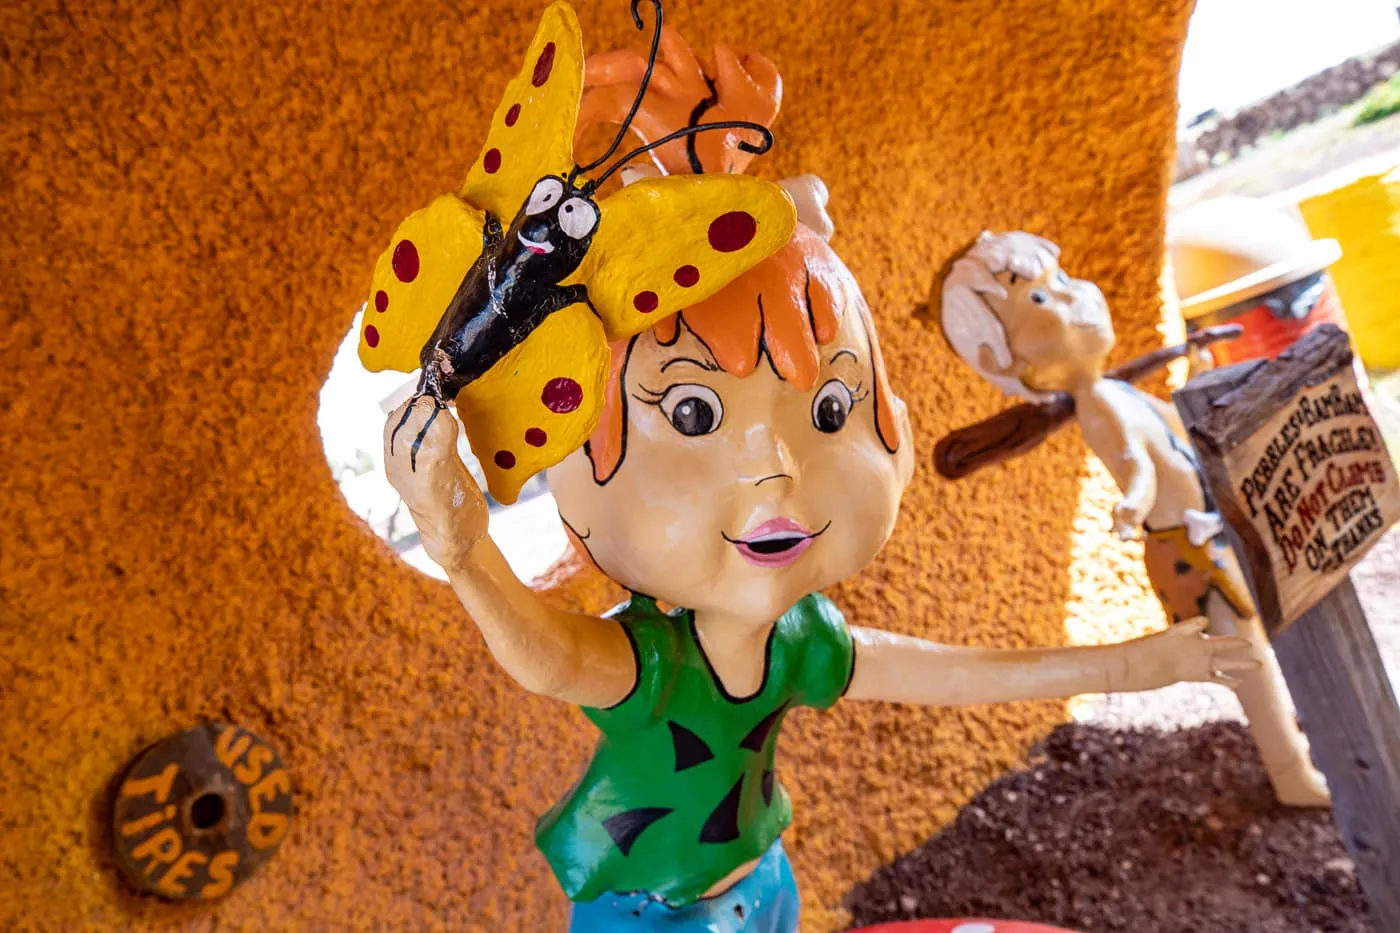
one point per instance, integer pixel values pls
(692, 410)
(578, 217)
(831, 406)
(547, 193)
(1039, 297)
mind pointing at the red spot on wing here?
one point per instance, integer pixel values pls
(405, 261)
(543, 66)
(381, 300)
(504, 459)
(562, 395)
(491, 161)
(687, 276)
(645, 302)
(512, 114)
(732, 231)
(536, 437)
(371, 336)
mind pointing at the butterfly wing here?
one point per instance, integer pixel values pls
(664, 244)
(538, 403)
(415, 279)
(532, 132)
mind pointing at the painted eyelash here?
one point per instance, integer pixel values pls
(859, 392)
(652, 396)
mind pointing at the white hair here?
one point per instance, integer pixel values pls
(968, 322)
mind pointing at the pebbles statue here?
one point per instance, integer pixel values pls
(736, 448)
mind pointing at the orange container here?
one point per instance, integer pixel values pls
(1242, 261)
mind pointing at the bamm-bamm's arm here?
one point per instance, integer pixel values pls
(1023, 427)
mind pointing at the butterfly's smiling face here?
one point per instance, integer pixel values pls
(552, 231)
(740, 495)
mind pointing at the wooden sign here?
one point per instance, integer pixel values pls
(1312, 485)
(1298, 471)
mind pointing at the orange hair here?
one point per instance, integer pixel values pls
(682, 92)
(785, 308)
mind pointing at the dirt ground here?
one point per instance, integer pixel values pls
(1130, 831)
(1299, 157)
(1150, 814)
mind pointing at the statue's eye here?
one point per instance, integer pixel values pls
(831, 406)
(578, 217)
(1039, 297)
(547, 193)
(692, 410)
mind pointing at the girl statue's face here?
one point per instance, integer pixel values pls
(740, 496)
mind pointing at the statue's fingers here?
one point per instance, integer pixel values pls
(1194, 626)
(1236, 664)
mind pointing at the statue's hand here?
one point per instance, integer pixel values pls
(1202, 526)
(1127, 520)
(1185, 653)
(446, 504)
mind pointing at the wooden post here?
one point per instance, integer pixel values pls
(1303, 481)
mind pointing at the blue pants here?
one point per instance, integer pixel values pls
(764, 901)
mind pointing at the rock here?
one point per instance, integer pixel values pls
(1220, 139)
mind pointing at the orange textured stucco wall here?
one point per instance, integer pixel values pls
(194, 195)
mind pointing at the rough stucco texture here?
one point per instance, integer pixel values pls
(194, 195)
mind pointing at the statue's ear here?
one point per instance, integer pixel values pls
(987, 361)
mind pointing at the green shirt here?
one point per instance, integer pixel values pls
(681, 790)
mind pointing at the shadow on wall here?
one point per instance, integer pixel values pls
(197, 189)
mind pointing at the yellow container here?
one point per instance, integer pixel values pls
(1364, 217)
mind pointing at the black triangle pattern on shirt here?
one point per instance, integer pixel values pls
(767, 787)
(759, 733)
(722, 825)
(625, 827)
(691, 750)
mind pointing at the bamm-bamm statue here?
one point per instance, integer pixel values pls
(1012, 314)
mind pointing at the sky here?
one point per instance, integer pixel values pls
(1238, 51)
(351, 418)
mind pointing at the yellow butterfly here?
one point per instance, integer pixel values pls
(507, 294)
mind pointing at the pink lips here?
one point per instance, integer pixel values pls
(778, 542)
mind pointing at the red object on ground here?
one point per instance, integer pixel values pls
(961, 926)
(1269, 329)
(1245, 261)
